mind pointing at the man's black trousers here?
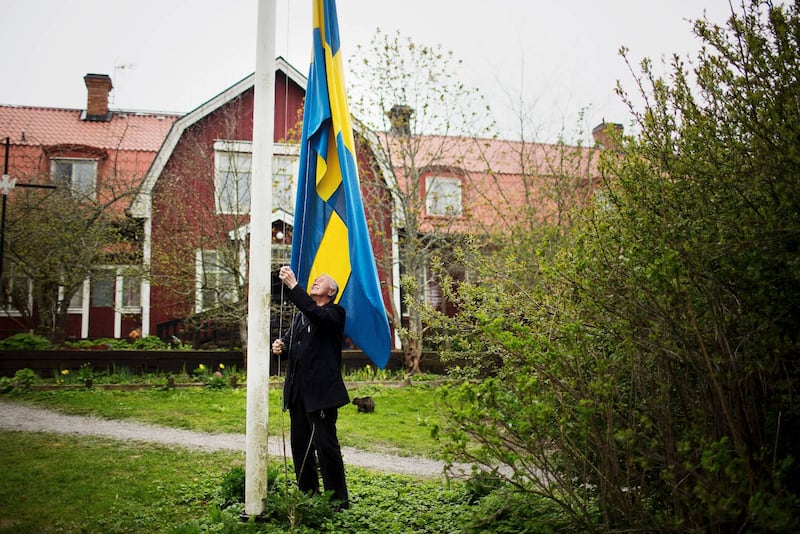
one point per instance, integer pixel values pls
(313, 439)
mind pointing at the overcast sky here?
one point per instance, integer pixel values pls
(173, 55)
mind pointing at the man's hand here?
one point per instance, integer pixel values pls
(287, 277)
(277, 347)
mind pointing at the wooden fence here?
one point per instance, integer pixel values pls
(48, 363)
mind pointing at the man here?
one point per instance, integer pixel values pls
(314, 390)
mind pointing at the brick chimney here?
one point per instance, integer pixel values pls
(98, 87)
(400, 118)
(605, 135)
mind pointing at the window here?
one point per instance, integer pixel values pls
(284, 185)
(131, 292)
(443, 196)
(101, 294)
(233, 171)
(232, 181)
(80, 175)
(17, 289)
(216, 282)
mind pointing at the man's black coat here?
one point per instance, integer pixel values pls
(313, 345)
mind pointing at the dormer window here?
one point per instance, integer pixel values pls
(233, 164)
(79, 174)
(443, 196)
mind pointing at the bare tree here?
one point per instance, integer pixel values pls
(410, 97)
(56, 238)
(201, 252)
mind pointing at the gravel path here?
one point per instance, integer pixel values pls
(23, 418)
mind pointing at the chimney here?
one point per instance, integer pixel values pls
(605, 135)
(400, 118)
(98, 87)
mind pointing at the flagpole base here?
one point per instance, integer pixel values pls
(259, 518)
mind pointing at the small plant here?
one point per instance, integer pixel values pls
(231, 491)
(24, 379)
(86, 372)
(150, 343)
(201, 373)
(24, 341)
(62, 376)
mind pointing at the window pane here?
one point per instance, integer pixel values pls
(62, 171)
(131, 292)
(283, 183)
(233, 182)
(83, 177)
(443, 196)
(102, 290)
(77, 299)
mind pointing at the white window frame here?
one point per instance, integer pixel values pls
(79, 305)
(232, 182)
(443, 196)
(10, 277)
(89, 189)
(285, 166)
(202, 272)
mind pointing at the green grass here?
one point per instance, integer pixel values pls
(60, 483)
(405, 420)
(64, 483)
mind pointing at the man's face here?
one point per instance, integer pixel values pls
(321, 286)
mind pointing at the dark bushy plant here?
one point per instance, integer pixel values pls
(25, 341)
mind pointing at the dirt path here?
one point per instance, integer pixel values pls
(23, 418)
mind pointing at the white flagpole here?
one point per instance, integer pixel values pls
(258, 342)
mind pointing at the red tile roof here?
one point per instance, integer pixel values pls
(503, 182)
(127, 130)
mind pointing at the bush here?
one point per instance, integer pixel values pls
(22, 381)
(24, 341)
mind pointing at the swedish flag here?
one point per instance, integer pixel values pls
(330, 230)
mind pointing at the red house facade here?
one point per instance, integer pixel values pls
(192, 177)
(194, 203)
(96, 151)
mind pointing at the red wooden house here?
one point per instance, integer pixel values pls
(194, 202)
(93, 150)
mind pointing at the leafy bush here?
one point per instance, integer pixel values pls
(150, 343)
(231, 490)
(25, 341)
(647, 367)
(21, 381)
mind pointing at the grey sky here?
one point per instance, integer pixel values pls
(173, 55)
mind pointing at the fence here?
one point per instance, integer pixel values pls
(46, 363)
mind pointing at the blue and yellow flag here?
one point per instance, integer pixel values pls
(330, 229)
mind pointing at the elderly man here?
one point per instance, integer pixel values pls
(314, 390)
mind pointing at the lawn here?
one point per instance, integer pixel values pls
(405, 420)
(65, 483)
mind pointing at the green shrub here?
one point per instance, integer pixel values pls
(231, 491)
(24, 379)
(24, 341)
(150, 343)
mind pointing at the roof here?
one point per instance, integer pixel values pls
(42, 126)
(503, 181)
(140, 207)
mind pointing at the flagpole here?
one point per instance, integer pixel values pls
(259, 272)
